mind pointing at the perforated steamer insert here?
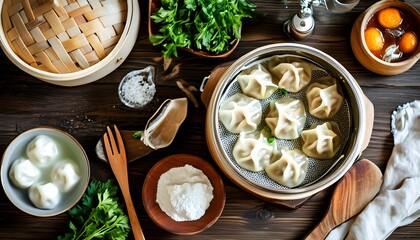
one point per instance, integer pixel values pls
(351, 119)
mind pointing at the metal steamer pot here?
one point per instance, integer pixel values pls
(359, 123)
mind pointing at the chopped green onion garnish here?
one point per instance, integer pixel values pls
(283, 91)
(267, 129)
(137, 134)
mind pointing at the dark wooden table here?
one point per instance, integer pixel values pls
(85, 111)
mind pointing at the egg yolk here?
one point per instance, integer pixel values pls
(408, 42)
(389, 18)
(374, 39)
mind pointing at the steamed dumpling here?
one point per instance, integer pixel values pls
(65, 175)
(324, 98)
(286, 118)
(44, 195)
(257, 82)
(23, 173)
(240, 113)
(322, 142)
(291, 74)
(253, 151)
(42, 150)
(290, 169)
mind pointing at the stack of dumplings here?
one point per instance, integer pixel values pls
(43, 174)
(261, 122)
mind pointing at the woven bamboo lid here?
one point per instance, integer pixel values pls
(63, 36)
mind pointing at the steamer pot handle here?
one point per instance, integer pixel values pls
(211, 82)
(369, 122)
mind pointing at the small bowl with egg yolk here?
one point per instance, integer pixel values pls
(384, 37)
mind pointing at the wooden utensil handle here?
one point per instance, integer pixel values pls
(132, 215)
(322, 229)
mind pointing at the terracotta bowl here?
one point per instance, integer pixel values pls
(160, 218)
(154, 6)
(366, 57)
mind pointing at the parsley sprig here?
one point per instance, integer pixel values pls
(209, 25)
(99, 215)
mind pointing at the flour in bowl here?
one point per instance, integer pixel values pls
(184, 193)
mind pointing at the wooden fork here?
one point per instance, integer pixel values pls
(118, 161)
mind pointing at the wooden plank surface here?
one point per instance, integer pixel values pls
(85, 111)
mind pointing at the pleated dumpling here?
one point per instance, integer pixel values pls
(324, 98)
(253, 151)
(290, 169)
(257, 82)
(291, 74)
(322, 141)
(240, 113)
(286, 118)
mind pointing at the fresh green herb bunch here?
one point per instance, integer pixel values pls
(99, 215)
(209, 25)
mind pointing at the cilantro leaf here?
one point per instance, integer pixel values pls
(99, 214)
(209, 25)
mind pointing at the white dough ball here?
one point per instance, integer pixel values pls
(42, 150)
(44, 195)
(23, 173)
(65, 175)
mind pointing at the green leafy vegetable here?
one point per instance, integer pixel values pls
(283, 91)
(99, 215)
(137, 134)
(209, 25)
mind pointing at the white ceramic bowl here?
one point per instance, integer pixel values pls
(68, 147)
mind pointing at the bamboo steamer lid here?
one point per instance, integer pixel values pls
(65, 39)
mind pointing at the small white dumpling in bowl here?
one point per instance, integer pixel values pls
(290, 169)
(240, 113)
(42, 150)
(23, 173)
(44, 195)
(65, 175)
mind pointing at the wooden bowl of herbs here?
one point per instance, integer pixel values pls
(204, 28)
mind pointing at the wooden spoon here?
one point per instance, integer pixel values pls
(353, 192)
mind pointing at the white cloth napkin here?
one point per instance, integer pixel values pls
(398, 201)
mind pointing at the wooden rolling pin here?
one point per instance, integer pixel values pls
(353, 192)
